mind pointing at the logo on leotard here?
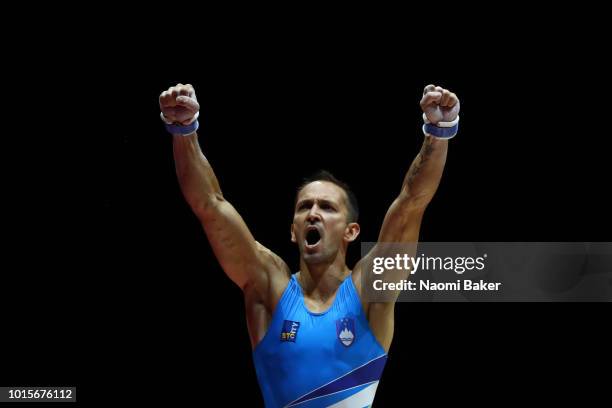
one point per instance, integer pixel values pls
(345, 329)
(290, 330)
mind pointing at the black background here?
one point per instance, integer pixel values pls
(114, 283)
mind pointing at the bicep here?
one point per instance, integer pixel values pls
(401, 226)
(242, 258)
(402, 221)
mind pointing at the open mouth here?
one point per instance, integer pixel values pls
(312, 237)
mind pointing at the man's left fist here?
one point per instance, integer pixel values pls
(439, 104)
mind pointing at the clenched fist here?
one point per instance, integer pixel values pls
(179, 104)
(439, 104)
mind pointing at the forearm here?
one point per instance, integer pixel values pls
(425, 173)
(195, 174)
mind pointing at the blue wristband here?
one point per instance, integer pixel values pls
(441, 132)
(183, 130)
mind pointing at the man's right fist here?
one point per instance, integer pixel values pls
(179, 104)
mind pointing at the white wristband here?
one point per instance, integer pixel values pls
(168, 122)
(442, 124)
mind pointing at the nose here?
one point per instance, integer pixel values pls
(313, 214)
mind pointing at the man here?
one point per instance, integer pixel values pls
(316, 341)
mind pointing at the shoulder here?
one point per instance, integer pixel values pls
(272, 279)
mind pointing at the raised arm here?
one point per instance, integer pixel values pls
(244, 260)
(402, 222)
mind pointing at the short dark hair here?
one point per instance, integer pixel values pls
(324, 175)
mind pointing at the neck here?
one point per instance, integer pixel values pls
(320, 281)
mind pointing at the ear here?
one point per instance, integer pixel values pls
(351, 232)
(293, 239)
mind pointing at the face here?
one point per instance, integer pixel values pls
(320, 225)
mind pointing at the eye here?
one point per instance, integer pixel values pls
(325, 206)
